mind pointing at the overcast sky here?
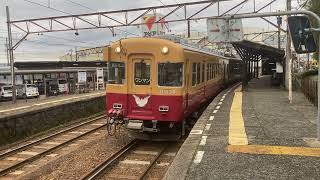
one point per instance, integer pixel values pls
(51, 45)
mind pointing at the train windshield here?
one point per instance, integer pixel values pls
(116, 73)
(170, 74)
(142, 72)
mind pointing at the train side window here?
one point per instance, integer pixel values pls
(198, 73)
(116, 73)
(142, 73)
(203, 70)
(208, 72)
(212, 72)
(194, 73)
(216, 70)
(209, 69)
(170, 74)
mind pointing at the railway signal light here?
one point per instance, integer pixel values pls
(301, 35)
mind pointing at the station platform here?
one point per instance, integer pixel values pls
(9, 109)
(27, 119)
(252, 134)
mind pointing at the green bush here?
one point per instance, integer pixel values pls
(308, 73)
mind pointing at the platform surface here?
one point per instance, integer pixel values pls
(9, 109)
(252, 134)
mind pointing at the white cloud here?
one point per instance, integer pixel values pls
(61, 42)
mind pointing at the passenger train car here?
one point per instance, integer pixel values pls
(154, 84)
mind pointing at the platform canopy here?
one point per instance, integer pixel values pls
(253, 51)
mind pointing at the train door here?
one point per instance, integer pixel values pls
(140, 85)
(187, 81)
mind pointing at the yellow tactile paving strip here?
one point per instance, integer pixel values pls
(237, 132)
(238, 141)
(274, 150)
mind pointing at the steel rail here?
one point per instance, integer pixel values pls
(21, 148)
(20, 164)
(100, 169)
(142, 176)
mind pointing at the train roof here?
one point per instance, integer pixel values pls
(194, 47)
(185, 44)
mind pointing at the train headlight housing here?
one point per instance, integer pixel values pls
(163, 108)
(165, 50)
(117, 106)
(117, 50)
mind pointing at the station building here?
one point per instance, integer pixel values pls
(42, 73)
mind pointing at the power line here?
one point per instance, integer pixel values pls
(304, 4)
(86, 7)
(39, 4)
(53, 44)
(55, 37)
(175, 12)
(42, 42)
(241, 8)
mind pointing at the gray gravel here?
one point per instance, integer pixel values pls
(79, 160)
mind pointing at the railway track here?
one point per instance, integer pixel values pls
(110, 168)
(18, 157)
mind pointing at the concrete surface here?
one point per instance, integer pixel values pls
(9, 109)
(179, 167)
(271, 123)
(16, 124)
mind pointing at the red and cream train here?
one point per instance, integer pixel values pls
(154, 84)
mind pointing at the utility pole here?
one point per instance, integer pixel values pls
(10, 49)
(188, 28)
(308, 65)
(288, 59)
(76, 53)
(70, 54)
(7, 51)
(298, 58)
(279, 22)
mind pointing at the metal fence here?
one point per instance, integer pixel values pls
(310, 88)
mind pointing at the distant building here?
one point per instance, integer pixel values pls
(89, 54)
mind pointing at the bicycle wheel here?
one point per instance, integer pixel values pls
(111, 126)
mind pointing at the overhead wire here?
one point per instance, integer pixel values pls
(303, 5)
(43, 42)
(86, 7)
(171, 10)
(57, 10)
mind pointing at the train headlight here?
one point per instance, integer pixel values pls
(165, 50)
(163, 108)
(117, 50)
(117, 106)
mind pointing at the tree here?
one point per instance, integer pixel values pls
(314, 6)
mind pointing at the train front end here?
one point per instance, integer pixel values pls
(145, 88)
